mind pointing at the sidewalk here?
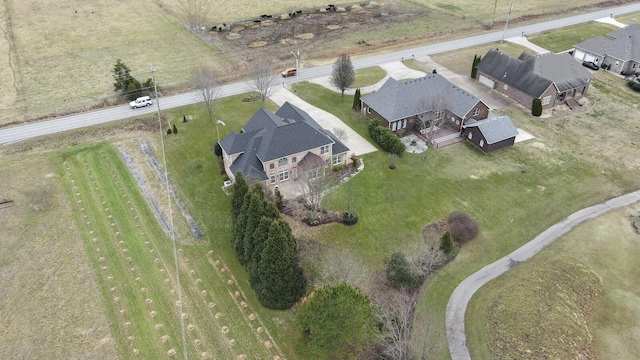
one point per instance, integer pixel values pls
(356, 143)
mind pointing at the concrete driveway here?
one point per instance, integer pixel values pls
(394, 69)
(356, 143)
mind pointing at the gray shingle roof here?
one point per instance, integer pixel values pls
(534, 74)
(494, 129)
(398, 100)
(271, 136)
(623, 44)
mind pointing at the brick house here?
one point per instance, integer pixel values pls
(619, 52)
(492, 134)
(275, 148)
(402, 105)
(552, 78)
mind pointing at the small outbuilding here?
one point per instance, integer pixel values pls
(491, 134)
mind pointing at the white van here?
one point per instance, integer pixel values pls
(141, 102)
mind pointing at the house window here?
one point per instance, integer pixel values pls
(272, 178)
(284, 175)
(293, 159)
(404, 125)
(476, 112)
(337, 160)
(324, 149)
(505, 86)
(634, 65)
(368, 110)
(481, 143)
(294, 173)
(470, 135)
(271, 166)
(393, 127)
(438, 114)
(283, 162)
(546, 100)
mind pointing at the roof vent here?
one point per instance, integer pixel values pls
(505, 75)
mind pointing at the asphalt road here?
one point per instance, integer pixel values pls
(24, 132)
(461, 296)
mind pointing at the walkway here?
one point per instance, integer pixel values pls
(356, 143)
(461, 296)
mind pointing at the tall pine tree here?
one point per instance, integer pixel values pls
(239, 228)
(240, 189)
(282, 282)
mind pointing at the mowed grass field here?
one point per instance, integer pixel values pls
(579, 295)
(133, 261)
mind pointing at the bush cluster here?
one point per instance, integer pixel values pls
(387, 140)
(634, 85)
(349, 218)
(462, 227)
(399, 273)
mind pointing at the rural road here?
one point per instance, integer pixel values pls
(461, 296)
(24, 132)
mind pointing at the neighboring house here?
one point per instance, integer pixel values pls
(552, 78)
(490, 135)
(619, 52)
(273, 148)
(402, 105)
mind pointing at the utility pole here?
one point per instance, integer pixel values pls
(494, 14)
(297, 56)
(506, 23)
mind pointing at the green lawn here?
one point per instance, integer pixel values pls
(563, 39)
(601, 305)
(514, 194)
(368, 76)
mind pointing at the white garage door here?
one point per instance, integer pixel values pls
(485, 80)
(589, 57)
(579, 54)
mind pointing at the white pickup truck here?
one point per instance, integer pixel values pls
(141, 102)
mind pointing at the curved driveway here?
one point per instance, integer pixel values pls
(462, 294)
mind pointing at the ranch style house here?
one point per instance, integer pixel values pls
(619, 52)
(275, 148)
(555, 79)
(412, 104)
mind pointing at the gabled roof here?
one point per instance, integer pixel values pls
(494, 129)
(622, 44)
(269, 136)
(534, 74)
(398, 100)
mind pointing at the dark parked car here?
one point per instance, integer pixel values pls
(590, 65)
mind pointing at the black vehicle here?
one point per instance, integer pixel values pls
(590, 65)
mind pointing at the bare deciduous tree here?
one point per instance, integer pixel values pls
(340, 133)
(343, 74)
(263, 80)
(396, 319)
(195, 12)
(340, 266)
(313, 181)
(431, 115)
(427, 258)
(205, 81)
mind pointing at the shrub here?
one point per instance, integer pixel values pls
(633, 85)
(355, 161)
(399, 272)
(175, 129)
(349, 218)
(446, 245)
(169, 131)
(217, 150)
(536, 107)
(462, 227)
(387, 140)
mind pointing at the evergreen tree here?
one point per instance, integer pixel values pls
(474, 71)
(356, 100)
(281, 278)
(254, 214)
(239, 228)
(337, 322)
(536, 107)
(240, 189)
(253, 264)
(175, 129)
